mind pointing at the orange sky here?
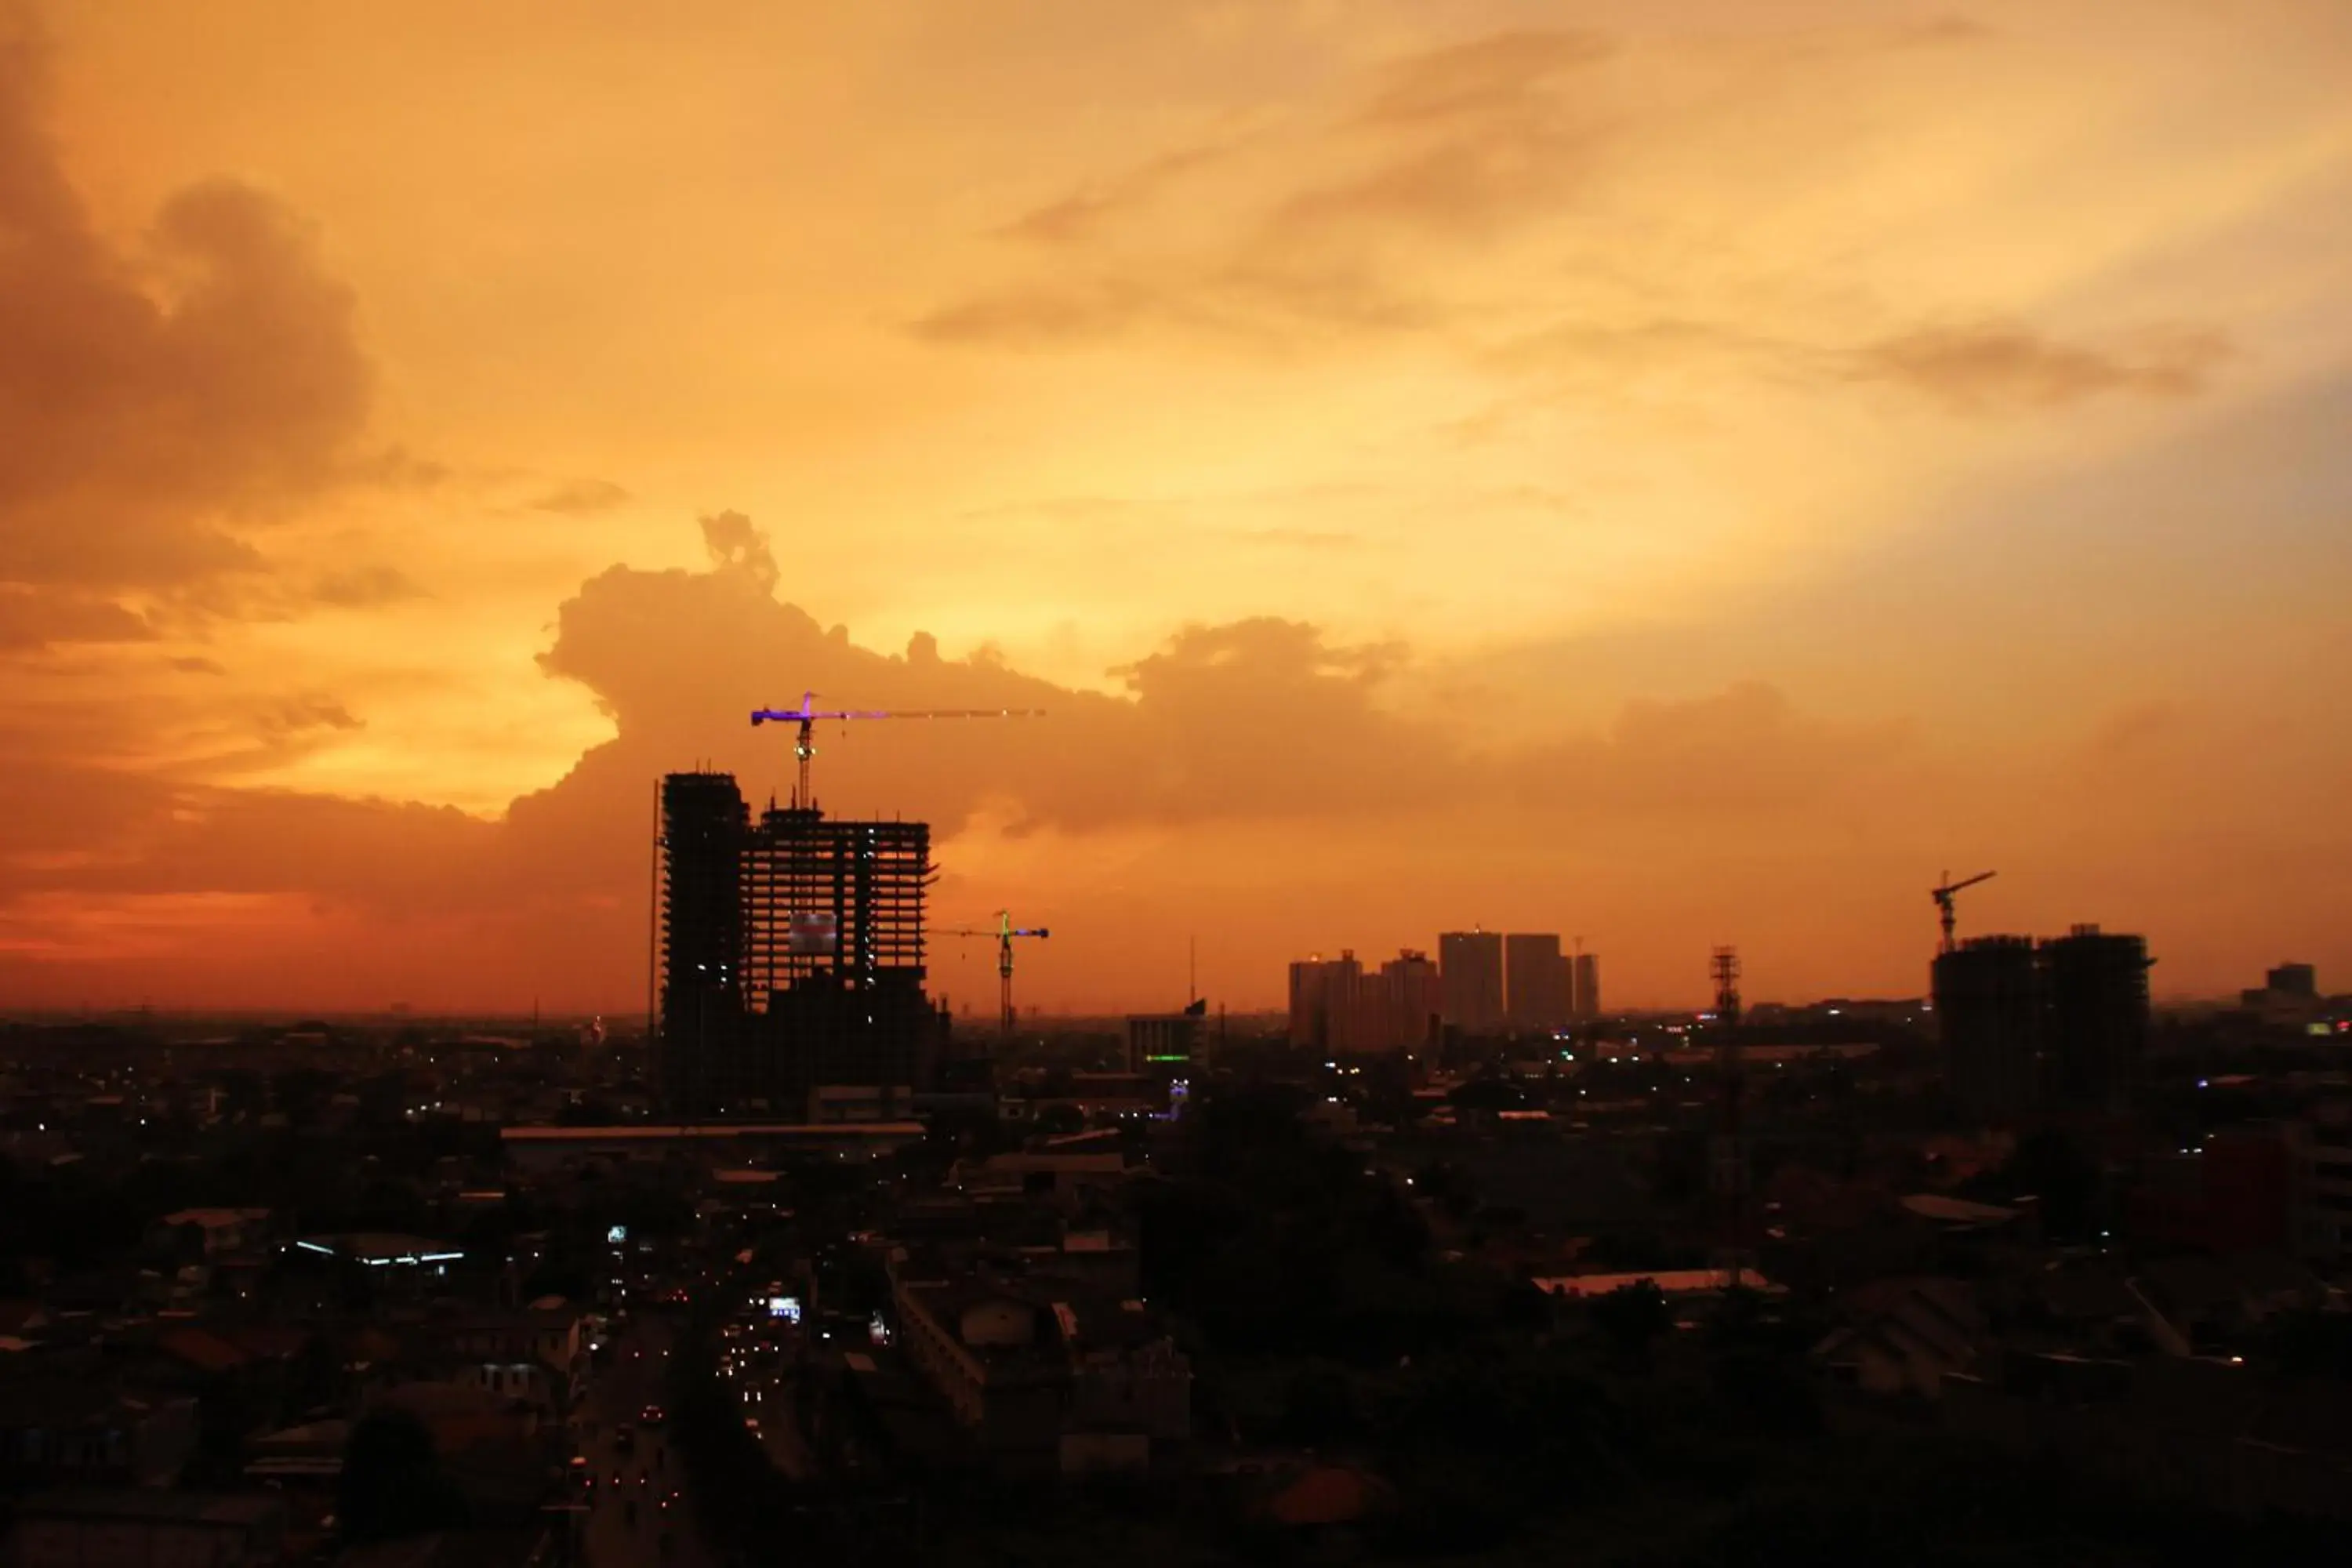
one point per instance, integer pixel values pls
(1675, 472)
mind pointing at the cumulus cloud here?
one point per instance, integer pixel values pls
(1252, 732)
(158, 404)
(735, 545)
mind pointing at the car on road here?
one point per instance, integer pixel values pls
(650, 1418)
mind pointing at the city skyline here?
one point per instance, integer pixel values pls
(1514, 465)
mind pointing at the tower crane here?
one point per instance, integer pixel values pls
(807, 714)
(1942, 895)
(1003, 931)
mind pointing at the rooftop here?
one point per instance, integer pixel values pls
(656, 1132)
(1671, 1281)
(122, 1503)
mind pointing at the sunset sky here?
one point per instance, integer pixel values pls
(1670, 471)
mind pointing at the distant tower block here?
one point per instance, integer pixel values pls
(1588, 987)
(1539, 982)
(1470, 977)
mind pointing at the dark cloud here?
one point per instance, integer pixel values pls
(31, 620)
(156, 404)
(364, 588)
(738, 547)
(196, 664)
(580, 497)
(1224, 733)
(299, 715)
(1993, 369)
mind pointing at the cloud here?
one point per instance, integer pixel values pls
(1442, 144)
(736, 546)
(365, 588)
(300, 715)
(197, 665)
(1744, 749)
(1085, 213)
(159, 404)
(1504, 76)
(31, 621)
(580, 497)
(1262, 732)
(1997, 368)
(1046, 314)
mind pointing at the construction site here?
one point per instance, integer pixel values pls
(788, 956)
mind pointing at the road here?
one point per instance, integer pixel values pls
(618, 1393)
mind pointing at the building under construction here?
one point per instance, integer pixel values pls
(2034, 1030)
(791, 955)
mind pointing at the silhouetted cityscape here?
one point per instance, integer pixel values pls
(798, 787)
(1450, 1260)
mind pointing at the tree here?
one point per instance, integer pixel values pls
(1632, 1317)
(315, 1379)
(393, 1484)
(2053, 1168)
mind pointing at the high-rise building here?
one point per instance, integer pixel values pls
(1410, 989)
(1988, 1008)
(1539, 984)
(2098, 1016)
(2056, 1027)
(1470, 979)
(705, 825)
(1337, 1009)
(2296, 980)
(1322, 995)
(816, 927)
(1584, 997)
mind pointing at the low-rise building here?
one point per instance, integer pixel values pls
(1028, 1363)
(2320, 1152)
(132, 1527)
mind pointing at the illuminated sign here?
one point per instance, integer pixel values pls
(787, 1308)
(618, 1235)
(811, 932)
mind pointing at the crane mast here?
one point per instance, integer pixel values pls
(1003, 932)
(1944, 895)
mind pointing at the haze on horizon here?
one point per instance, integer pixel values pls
(1674, 472)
